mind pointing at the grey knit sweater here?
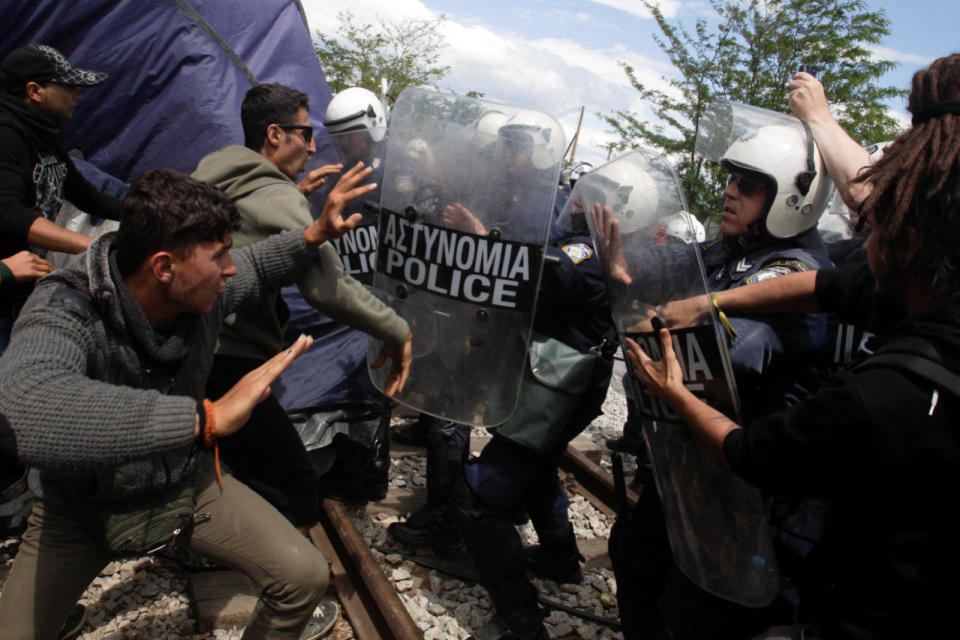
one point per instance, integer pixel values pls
(102, 404)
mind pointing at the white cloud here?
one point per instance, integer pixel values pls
(551, 74)
(322, 14)
(902, 117)
(669, 8)
(879, 52)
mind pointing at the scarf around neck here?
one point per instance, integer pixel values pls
(42, 131)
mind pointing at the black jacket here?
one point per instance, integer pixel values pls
(36, 176)
(881, 442)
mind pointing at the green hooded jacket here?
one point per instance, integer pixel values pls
(269, 202)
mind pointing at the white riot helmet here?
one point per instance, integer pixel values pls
(629, 191)
(418, 165)
(571, 174)
(539, 133)
(798, 184)
(685, 227)
(356, 109)
(487, 127)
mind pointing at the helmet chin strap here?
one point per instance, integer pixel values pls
(755, 235)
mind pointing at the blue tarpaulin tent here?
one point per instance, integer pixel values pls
(178, 72)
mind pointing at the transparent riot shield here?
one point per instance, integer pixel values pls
(715, 521)
(357, 247)
(466, 203)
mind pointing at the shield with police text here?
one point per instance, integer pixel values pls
(466, 204)
(646, 242)
(358, 246)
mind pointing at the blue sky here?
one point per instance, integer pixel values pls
(557, 55)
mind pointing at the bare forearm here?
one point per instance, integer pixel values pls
(791, 293)
(48, 235)
(711, 426)
(845, 159)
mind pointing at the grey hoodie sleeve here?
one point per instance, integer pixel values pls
(65, 421)
(266, 266)
(327, 287)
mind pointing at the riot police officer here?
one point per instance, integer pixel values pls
(772, 200)
(518, 472)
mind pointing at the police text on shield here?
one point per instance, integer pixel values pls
(699, 356)
(465, 266)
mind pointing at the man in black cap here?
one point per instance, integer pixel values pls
(36, 175)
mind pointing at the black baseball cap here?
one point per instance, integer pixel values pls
(43, 63)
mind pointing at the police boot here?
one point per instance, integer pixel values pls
(446, 452)
(516, 625)
(556, 557)
(426, 529)
(412, 433)
(497, 553)
(623, 444)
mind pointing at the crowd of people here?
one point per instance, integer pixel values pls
(162, 342)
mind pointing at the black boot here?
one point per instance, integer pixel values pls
(447, 444)
(623, 444)
(412, 433)
(516, 625)
(497, 553)
(556, 557)
(426, 529)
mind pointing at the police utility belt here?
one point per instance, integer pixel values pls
(553, 381)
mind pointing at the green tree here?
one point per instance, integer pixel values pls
(749, 56)
(406, 53)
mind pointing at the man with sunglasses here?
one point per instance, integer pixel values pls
(260, 177)
(767, 230)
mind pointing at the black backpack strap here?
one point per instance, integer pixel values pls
(918, 365)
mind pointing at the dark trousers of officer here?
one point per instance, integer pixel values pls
(504, 480)
(448, 444)
(656, 599)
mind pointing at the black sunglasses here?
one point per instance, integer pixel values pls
(747, 184)
(305, 129)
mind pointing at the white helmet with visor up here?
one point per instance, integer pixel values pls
(780, 148)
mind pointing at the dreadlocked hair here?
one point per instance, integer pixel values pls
(916, 183)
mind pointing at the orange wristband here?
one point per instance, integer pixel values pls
(210, 437)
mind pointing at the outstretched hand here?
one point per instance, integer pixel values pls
(27, 265)
(663, 379)
(316, 178)
(331, 225)
(233, 409)
(401, 357)
(607, 230)
(459, 217)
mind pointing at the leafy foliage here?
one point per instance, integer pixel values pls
(749, 56)
(406, 53)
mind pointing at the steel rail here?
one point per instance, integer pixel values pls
(369, 600)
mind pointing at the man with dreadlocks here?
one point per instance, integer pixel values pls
(879, 439)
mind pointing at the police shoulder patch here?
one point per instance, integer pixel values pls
(777, 269)
(578, 252)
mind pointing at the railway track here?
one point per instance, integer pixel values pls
(370, 600)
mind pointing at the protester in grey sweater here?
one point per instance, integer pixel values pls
(103, 387)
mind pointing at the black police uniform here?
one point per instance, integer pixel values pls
(507, 477)
(775, 359)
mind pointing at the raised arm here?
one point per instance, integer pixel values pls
(845, 157)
